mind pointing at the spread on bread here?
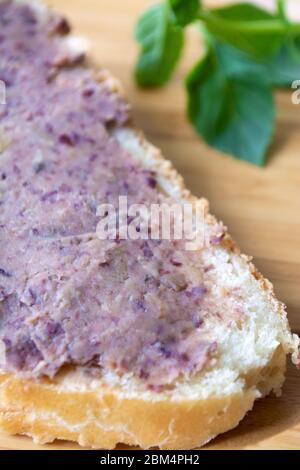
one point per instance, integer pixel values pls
(66, 297)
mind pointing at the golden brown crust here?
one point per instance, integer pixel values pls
(101, 417)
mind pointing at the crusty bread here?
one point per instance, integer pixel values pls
(103, 412)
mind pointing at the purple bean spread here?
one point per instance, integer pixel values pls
(66, 296)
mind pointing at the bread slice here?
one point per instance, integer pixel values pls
(101, 412)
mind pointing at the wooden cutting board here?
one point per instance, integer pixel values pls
(260, 206)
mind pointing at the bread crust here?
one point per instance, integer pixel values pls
(103, 416)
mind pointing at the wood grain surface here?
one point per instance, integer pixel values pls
(260, 206)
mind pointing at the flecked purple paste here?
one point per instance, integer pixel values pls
(67, 297)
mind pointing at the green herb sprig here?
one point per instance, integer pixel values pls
(247, 52)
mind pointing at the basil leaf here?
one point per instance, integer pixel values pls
(161, 42)
(233, 113)
(248, 28)
(279, 70)
(242, 12)
(185, 11)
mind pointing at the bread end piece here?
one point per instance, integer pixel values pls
(102, 412)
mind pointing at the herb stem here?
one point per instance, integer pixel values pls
(262, 26)
(281, 9)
